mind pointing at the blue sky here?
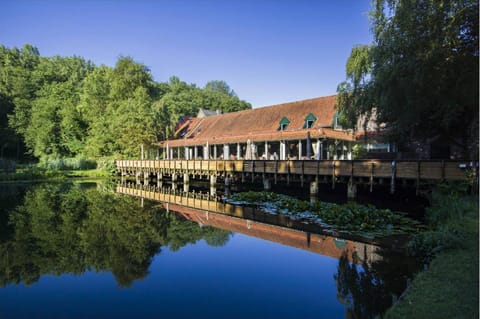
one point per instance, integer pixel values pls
(268, 51)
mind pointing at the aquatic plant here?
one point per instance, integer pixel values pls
(365, 220)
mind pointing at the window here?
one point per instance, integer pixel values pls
(283, 124)
(309, 121)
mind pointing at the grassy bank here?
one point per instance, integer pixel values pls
(57, 169)
(39, 174)
(450, 287)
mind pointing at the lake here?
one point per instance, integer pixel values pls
(82, 250)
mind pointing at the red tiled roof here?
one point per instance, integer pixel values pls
(261, 124)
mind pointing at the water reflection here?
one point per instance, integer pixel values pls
(65, 228)
(210, 210)
(368, 290)
(369, 277)
(55, 229)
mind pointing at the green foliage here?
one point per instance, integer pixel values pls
(107, 164)
(359, 152)
(353, 99)
(450, 219)
(351, 217)
(32, 172)
(66, 107)
(220, 87)
(449, 288)
(183, 99)
(68, 164)
(420, 75)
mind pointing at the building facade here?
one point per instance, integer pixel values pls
(304, 129)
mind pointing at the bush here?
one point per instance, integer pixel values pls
(107, 164)
(79, 163)
(449, 220)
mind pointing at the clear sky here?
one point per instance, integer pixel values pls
(268, 51)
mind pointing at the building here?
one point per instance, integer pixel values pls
(306, 129)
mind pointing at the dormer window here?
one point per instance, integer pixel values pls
(283, 124)
(309, 121)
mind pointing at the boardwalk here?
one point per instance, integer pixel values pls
(315, 171)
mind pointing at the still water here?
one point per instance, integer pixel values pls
(80, 250)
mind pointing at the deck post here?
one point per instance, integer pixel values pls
(333, 175)
(137, 176)
(314, 187)
(300, 149)
(392, 180)
(320, 152)
(302, 177)
(159, 179)
(186, 182)
(213, 185)
(228, 182)
(266, 183)
(146, 176)
(371, 176)
(351, 189)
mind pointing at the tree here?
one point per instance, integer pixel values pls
(184, 99)
(221, 87)
(422, 72)
(353, 95)
(55, 127)
(68, 107)
(17, 89)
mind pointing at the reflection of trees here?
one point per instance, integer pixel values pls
(182, 232)
(69, 229)
(367, 291)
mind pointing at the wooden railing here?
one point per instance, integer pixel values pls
(400, 169)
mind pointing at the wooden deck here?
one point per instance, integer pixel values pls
(414, 170)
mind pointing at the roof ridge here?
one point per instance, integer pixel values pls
(276, 105)
(298, 101)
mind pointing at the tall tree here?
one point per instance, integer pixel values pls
(55, 127)
(17, 90)
(422, 75)
(219, 86)
(184, 99)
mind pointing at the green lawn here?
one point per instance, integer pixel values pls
(449, 288)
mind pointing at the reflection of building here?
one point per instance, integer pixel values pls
(249, 221)
(298, 130)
